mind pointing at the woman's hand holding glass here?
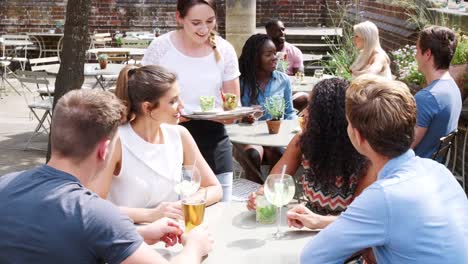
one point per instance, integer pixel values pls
(171, 210)
(251, 204)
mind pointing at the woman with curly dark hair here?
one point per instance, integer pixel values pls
(334, 172)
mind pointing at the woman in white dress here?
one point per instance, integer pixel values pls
(206, 65)
(151, 149)
(372, 59)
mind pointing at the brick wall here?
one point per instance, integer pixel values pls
(394, 29)
(106, 15)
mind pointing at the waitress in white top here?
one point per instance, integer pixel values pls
(206, 65)
(151, 149)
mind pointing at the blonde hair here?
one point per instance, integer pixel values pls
(384, 112)
(212, 40)
(369, 32)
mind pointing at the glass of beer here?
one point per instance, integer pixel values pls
(193, 207)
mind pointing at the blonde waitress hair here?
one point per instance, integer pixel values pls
(369, 32)
(183, 6)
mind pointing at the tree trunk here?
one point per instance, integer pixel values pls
(70, 75)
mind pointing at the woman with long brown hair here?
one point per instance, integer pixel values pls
(151, 149)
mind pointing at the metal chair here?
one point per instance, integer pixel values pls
(42, 102)
(445, 143)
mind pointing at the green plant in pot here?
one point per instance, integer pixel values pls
(274, 106)
(102, 59)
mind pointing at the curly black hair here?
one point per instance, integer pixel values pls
(325, 142)
(248, 63)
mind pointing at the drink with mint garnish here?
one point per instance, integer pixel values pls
(207, 103)
(266, 212)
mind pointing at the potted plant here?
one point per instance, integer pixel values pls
(274, 106)
(459, 65)
(102, 59)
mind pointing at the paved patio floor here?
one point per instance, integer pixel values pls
(16, 126)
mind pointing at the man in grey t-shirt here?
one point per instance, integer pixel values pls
(439, 104)
(49, 216)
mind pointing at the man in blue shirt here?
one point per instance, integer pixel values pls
(49, 216)
(415, 212)
(439, 104)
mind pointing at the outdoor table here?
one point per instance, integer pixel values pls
(92, 69)
(40, 37)
(307, 84)
(239, 239)
(257, 133)
(131, 51)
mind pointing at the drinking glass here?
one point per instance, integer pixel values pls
(318, 74)
(207, 103)
(265, 212)
(193, 207)
(279, 191)
(189, 181)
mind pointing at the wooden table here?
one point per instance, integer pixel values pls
(257, 133)
(239, 239)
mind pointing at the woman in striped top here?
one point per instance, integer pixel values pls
(334, 172)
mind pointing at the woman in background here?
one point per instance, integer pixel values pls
(259, 80)
(372, 59)
(206, 65)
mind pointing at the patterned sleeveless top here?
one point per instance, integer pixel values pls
(327, 201)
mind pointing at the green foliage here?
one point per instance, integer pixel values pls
(275, 105)
(103, 57)
(407, 67)
(342, 55)
(342, 51)
(461, 54)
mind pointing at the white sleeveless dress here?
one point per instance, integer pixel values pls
(148, 171)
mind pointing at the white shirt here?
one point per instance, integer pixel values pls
(197, 76)
(148, 171)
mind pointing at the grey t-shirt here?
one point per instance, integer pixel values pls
(48, 216)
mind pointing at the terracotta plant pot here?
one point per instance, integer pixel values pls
(273, 126)
(459, 74)
(103, 64)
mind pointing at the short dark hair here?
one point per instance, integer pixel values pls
(384, 112)
(441, 41)
(81, 119)
(271, 23)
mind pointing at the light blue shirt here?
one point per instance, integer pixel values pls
(416, 212)
(439, 106)
(279, 85)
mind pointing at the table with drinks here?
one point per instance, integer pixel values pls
(239, 238)
(242, 236)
